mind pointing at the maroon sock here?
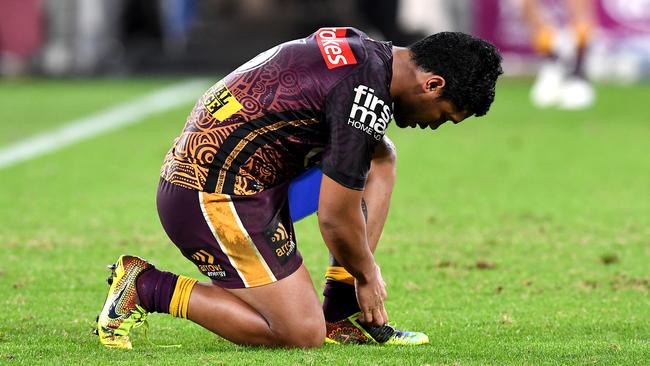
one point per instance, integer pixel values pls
(340, 300)
(578, 70)
(155, 290)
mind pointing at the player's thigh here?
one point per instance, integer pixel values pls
(236, 241)
(291, 307)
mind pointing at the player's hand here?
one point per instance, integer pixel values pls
(371, 295)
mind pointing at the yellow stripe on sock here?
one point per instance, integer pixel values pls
(543, 40)
(583, 32)
(181, 297)
(340, 274)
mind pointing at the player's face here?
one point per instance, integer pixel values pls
(431, 115)
(425, 108)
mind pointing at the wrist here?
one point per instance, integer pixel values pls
(366, 276)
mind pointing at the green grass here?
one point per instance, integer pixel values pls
(518, 238)
(30, 106)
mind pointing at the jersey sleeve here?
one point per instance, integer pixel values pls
(357, 112)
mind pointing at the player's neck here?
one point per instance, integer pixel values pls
(403, 71)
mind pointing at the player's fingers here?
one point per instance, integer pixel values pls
(378, 319)
(367, 316)
(384, 314)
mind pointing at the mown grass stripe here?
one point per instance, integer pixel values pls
(102, 122)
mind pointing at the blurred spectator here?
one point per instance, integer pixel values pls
(561, 35)
(426, 17)
(422, 16)
(89, 37)
(382, 16)
(140, 31)
(20, 34)
(177, 17)
(82, 36)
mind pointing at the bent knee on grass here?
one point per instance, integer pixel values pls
(308, 333)
(290, 309)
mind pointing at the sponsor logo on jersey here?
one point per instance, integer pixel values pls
(335, 47)
(208, 267)
(369, 113)
(220, 102)
(281, 242)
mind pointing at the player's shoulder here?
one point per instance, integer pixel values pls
(349, 47)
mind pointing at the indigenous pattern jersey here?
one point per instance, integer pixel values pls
(320, 100)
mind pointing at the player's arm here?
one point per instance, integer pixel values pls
(379, 188)
(343, 227)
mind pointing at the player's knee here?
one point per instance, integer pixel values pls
(310, 334)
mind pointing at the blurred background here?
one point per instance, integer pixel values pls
(118, 37)
(522, 237)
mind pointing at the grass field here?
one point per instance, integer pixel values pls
(518, 238)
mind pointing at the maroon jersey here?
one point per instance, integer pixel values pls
(321, 100)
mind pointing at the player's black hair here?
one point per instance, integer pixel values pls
(469, 65)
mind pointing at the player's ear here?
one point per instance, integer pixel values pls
(434, 84)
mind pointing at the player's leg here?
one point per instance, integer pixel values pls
(577, 91)
(582, 14)
(547, 87)
(283, 313)
(245, 246)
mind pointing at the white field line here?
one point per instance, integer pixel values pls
(116, 117)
